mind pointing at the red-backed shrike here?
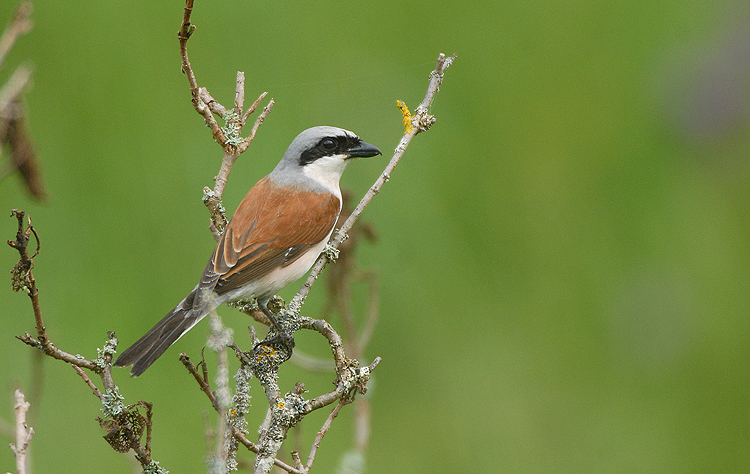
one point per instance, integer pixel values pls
(274, 237)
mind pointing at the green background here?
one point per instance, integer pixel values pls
(563, 258)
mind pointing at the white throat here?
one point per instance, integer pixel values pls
(327, 171)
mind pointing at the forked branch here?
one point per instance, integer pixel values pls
(228, 137)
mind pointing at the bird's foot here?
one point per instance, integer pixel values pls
(283, 339)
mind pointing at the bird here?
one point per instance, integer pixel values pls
(273, 238)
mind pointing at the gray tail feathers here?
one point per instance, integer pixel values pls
(148, 348)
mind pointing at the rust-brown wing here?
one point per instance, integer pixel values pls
(269, 229)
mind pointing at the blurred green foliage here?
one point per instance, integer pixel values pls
(563, 258)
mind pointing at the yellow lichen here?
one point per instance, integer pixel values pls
(265, 351)
(407, 116)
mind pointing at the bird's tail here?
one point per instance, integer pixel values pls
(148, 348)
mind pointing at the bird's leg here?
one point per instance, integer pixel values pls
(263, 305)
(281, 335)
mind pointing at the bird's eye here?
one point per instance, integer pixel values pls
(329, 143)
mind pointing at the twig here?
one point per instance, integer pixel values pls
(123, 422)
(323, 430)
(258, 122)
(203, 384)
(88, 381)
(23, 278)
(334, 340)
(228, 137)
(253, 107)
(422, 121)
(20, 25)
(184, 34)
(239, 94)
(23, 433)
(206, 389)
(11, 92)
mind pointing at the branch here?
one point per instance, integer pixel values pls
(238, 435)
(322, 432)
(23, 433)
(13, 129)
(228, 137)
(125, 425)
(420, 122)
(20, 25)
(200, 106)
(23, 278)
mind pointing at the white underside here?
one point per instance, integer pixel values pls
(266, 286)
(275, 280)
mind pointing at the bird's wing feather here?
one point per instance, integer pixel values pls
(258, 240)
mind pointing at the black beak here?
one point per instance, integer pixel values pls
(363, 150)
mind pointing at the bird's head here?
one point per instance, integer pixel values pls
(321, 154)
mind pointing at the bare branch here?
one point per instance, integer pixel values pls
(421, 121)
(23, 433)
(203, 384)
(200, 106)
(228, 137)
(258, 122)
(206, 388)
(124, 424)
(334, 340)
(88, 381)
(323, 430)
(20, 25)
(253, 107)
(239, 94)
(23, 278)
(213, 105)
